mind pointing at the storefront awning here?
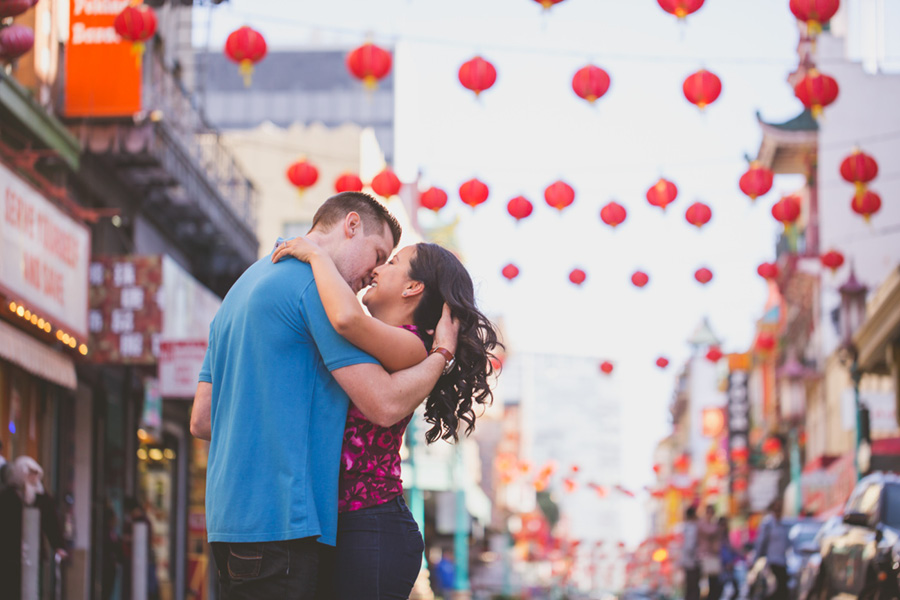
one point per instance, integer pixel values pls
(36, 358)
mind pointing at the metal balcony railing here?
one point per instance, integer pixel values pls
(166, 102)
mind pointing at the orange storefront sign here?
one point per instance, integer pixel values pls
(103, 77)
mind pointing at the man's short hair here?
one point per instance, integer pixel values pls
(372, 213)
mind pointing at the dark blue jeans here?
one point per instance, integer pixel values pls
(379, 553)
(258, 570)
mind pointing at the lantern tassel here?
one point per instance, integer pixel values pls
(137, 49)
(860, 190)
(370, 82)
(246, 71)
(816, 111)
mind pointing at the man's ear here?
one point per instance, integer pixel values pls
(413, 289)
(352, 224)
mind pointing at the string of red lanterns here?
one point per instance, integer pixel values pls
(680, 8)
(510, 271)
(832, 259)
(577, 276)
(787, 210)
(767, 270)
(640, 279)
(814, 13)
(703, 275)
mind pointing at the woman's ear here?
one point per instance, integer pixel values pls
(413, 288)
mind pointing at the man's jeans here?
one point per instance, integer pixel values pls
(257, 570)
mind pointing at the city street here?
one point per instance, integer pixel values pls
(491, 299)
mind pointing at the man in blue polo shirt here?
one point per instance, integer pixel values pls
(273, 398)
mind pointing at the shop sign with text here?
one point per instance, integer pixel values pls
(44, 256)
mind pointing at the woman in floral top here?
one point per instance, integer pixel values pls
(379, 546)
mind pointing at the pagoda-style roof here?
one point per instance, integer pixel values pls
(703, 335)
(786, 147)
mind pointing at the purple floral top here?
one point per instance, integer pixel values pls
(370, 460)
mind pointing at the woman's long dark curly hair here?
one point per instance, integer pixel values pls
(455, 395)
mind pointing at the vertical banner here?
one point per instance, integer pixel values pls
(738, 437)
(103, 75)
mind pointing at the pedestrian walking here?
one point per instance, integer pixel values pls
(690, 559)
(709, 548)
(772, 543)
(379, 546)
(729, 557)
(272, 400)
(24, 489)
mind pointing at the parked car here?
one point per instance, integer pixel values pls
(861, 555)
(809, 570)
(801, 531)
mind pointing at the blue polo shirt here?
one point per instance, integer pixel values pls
(278, 415)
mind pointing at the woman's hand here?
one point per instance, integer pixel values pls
(299, 247)
(447, 331)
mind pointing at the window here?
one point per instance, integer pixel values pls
(892, 505)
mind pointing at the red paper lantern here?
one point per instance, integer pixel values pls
(662, 362)
(714, 354)
(613, 214)
(473, 192)
(477, 75)
(662, 193)
(577, 276)
(639, 279)
(757, 181)
(832, 259)
(370, 64)
(606, 367)
(767, 270)
(740, 454)
(866, 204)
(816, 91)
(771, 446)
(559, 195)
(590, 83)
(814, 13)
(136, 24)
(859, 169)
(433, 198)
(246, 47)
(519, 207)
(302, 175)
(348, 182)
(510, 271)
(680, 8)
(15, 41)
(12, 8)
(547, 4)
(702, 88)
(386, 183)
(787, 210)
(703, 275)
(765, 342)
(698, 214)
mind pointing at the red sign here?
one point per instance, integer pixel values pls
(125, 317)
(103, 74)
(179, 365)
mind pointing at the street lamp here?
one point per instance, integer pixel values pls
(852, 315)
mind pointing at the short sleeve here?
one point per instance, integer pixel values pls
(206, 368)
(336, 351)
